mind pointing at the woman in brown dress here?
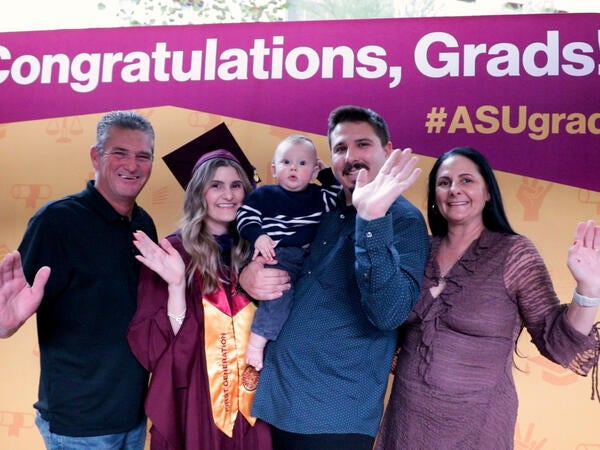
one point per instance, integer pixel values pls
(453, 386)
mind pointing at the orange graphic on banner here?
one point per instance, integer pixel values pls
(531, 194)
(590, 198)
(527, 441)
(31, 193)
(15, 421)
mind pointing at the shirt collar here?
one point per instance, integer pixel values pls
(105, 209)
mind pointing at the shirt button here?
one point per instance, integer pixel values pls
(369, 234)
(342, 216)
(324, 243)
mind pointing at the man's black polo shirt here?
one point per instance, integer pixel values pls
(90, 382)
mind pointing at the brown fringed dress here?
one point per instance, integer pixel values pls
(453, 386)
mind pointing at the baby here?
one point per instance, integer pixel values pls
(281, 221)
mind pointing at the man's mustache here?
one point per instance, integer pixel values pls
(355, 166)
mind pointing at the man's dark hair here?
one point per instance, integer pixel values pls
(350, 113)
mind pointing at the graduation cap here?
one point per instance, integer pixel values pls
(217, 142)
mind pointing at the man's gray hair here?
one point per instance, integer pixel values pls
(127, 120)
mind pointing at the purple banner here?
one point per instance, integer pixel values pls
(523, 89)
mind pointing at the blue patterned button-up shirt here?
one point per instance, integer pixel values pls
(327, 372)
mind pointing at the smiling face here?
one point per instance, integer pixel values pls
(355, 146)
(224, 195)
(295, 165)
(460, 192)
(123, 167)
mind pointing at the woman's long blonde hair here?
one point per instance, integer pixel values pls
(197, 241)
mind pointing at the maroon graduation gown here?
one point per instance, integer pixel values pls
(178, 403)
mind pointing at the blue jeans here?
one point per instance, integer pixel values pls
(130, 440)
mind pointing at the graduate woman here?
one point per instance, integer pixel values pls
(191, 327)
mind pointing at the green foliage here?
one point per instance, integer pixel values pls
(179, 12)
(175, 12)
(346, 9)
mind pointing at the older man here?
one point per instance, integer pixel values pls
(91, 388)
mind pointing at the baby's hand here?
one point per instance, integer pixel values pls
(264, 246)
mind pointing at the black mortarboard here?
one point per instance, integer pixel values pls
(217, 142)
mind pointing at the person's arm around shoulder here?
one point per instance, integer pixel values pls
(18, 300)
(584, 263)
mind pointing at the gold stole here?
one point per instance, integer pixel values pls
(231, 381)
